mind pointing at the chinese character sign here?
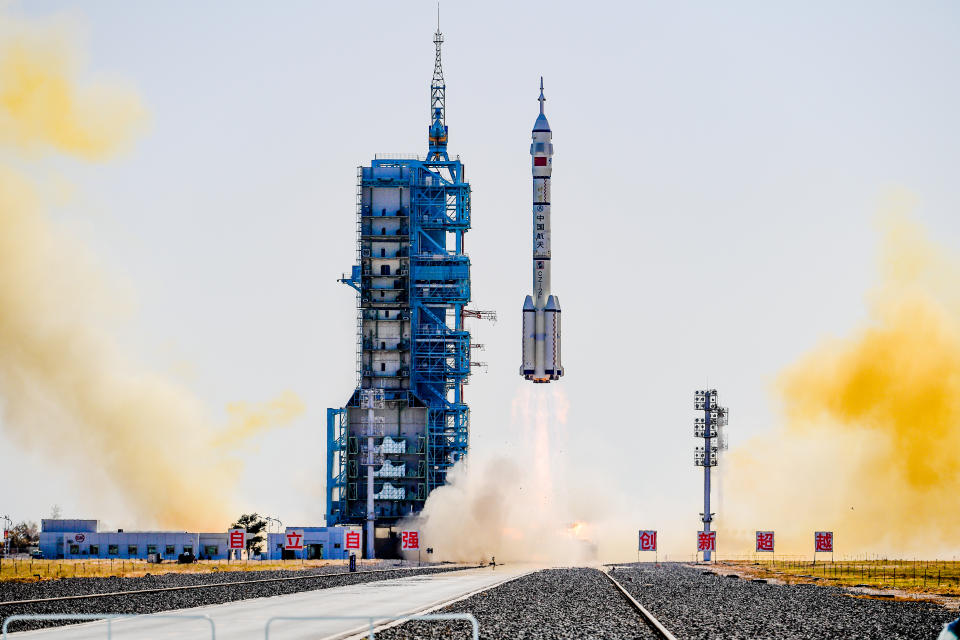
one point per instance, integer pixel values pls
(410, 540)
(294, 540)
(648, 541)
(352, 541)
(706, 540)
(765, 541)
(237, 538)
(823, 541)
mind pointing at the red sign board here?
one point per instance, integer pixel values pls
(823, 541)
(80, 537)
(352, 540)
(765, 541)
(706, 540)
(294, 540)
(410, 540)
(648, 540)
(237, 538)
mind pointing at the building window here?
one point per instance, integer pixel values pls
(383, 345)
(188, 548)
(94, 549)
(383, 231)
(151, 548)
(211, 550)
(170, 550)
(384, 269)
(74, 549)
(131, 549)
(383, 252)
(383, 366)
(336, 545)
(113, 549)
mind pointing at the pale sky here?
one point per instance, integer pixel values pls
(717, 175)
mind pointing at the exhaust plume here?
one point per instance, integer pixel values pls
(867, 449)
(65, 388)
(512, 509)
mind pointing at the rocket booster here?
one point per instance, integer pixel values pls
(541, 311)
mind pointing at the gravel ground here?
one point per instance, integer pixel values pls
(555, 603)
(326, 577)
(697, 606)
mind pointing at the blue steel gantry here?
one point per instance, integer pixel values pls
(412, 280)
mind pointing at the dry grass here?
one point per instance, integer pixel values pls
(916, 576)
(28, 570)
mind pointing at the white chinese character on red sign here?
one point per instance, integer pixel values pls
(764, 540)
(294, 540)
(823, 541)
(353, 540)
(706, 540)
(237, 538)
(648, 541)
(410, 539)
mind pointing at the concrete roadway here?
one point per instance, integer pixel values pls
(246, 619)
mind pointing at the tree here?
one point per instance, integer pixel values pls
(255, 526)
(24, 534)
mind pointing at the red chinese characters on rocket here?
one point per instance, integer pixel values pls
(823, 541)
(410, 539)
(706, 541)
(764, 540)
(648, 541)
(353, 540)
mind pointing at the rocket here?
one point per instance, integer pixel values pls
(541, 311)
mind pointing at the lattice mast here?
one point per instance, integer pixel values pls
(437, 133)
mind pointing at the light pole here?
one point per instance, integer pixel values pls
(709, 427)
(277, 520)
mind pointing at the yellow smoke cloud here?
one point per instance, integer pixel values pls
(249, 419)
(41, 104)
(872, 422)
(65, 388)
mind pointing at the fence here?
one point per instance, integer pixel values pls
(109, 617)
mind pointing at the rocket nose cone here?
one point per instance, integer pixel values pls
(541, 124)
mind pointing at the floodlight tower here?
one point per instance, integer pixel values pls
(709, 427)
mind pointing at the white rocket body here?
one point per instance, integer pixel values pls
(541, 311)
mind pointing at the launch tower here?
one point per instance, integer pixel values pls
(412, 280)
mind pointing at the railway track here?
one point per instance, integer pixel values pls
(561, 603)
(655, 624)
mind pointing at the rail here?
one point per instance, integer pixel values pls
(648, 617)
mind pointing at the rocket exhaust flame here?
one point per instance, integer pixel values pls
(541, 311)
(514, 509)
